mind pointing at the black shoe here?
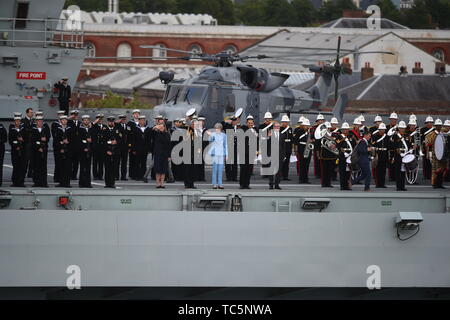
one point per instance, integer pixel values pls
(242, 187)
(221, 187)
(286, 179)
(404, 189)
(124, 179)
(171, 181)
(145, 180)
(85, 186)
(277, 187)
(366, 189)
(110, 187)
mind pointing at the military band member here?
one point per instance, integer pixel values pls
(363, 127)
(335, 131)
(40, 136)
(345, 146)
(61, 143)
(376, 123)
(246, 169)
(74, 123)
(439, 167)
(301, 136)
(380, 141)
(141, 146)
(399, 146)
(125, 139)
(317, 146)
(134, 122)
(393, 120)
(327, 159)
(427, 129)
(98, 147)
(355, 133)
(188, 167)
(111, 152)
(17, 143)
(287, 133)
(85, 143)
(446, 131)
(28, 124)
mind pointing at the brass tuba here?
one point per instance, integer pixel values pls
(326, 140)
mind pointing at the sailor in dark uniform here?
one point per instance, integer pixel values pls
(61, 143)
(380, 141)
(140, 146)
(134, 122)
(246, 168)
(301, 135)
(64, 94)
(188, 166)
(393, 120)
(287, 133)
(3, 140)
(74, 124)
(40, 136)
(54, 126)
(265, 127)
(111, 151)
(327, 159)
(125, 131)
(98, 147)
(275, 134)
(28, 123)
(363, 148)
(17, 143)
(85, 143)
(231, 169)
(317, 146)
(376, 123)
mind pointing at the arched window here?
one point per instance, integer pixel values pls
(90, 49)
(230, 49)
(438, 53)
(195, 48)
(159, 54)
(124, 51)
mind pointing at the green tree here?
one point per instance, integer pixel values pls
(418, 17)
(440, 12)
(114, 100)
(389, 10)
(250, 12)
(305, 13)
(278, 13)
(329, 11)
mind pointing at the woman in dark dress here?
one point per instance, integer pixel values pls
(161, 153)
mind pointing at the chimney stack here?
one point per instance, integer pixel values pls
(367, 72)
(403, 71)
(346, 63)
(417, 68)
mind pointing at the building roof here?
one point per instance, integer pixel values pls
(361, 23)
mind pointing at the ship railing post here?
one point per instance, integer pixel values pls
(13, 42)
(45, 33)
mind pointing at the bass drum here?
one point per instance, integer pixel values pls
(440, 148)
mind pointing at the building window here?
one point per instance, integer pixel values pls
(90, 49)
(195, 48)
(21, 15)
(230, 49)
(438, 54)
(159, 54)
(124, 51)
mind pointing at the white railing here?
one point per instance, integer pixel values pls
(45, 32)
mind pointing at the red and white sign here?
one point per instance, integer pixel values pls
(31, 75)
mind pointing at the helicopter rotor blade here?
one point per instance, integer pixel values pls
(168, 49)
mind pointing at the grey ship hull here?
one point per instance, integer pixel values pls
(123, 239)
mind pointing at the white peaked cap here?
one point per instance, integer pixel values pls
(249, 117)
(334, 121)
(412, 117)
(190, 112)
(238, 113)
(301, 119)
(377, 119)
(306, 122)
(382, 126)
(345, 126)
(320, 117)
(438, 122)
(357, 121)
(285, 118)
(136, 111)
(393, 116)
(447, 123)
(429, 119)
(361, 117)
(267, 115)
(412, 122)
(402, 125)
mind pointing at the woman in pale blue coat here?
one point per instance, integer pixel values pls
(218, 153)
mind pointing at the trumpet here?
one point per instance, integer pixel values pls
(392, 130)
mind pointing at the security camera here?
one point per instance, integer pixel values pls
(408, 220)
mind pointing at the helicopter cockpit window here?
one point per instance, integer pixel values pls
(230, 103)
(194, 95)
(173, 93)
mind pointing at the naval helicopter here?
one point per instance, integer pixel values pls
(231, 84)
